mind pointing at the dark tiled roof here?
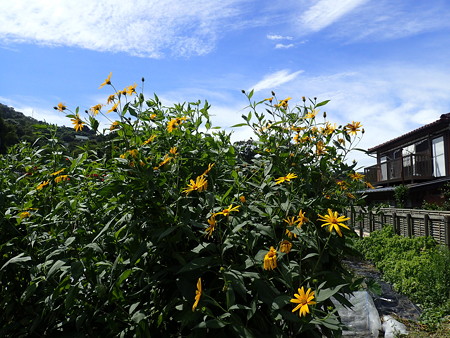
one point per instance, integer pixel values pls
(444, 119)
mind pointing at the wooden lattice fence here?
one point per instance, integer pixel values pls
(406, 222)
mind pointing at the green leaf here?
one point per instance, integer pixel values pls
(211, 324)
(322, 103)
(124, 275)
(55, 267)
(195, 264)
(324, 294)
(17, 259)
(239, 125)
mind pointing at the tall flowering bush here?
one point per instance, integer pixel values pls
(170, 229)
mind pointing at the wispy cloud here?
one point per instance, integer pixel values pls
(326, 12)
(276, 79)
(283, 46)
(279, 37)
(144, 28)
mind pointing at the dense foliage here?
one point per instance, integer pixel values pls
(170, 229)
(416, 267)
(15, 127)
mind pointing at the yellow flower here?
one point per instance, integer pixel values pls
(96, 109)
(43, 184)
(242, 199)
(113, 108)
(285, 246)
(342, 184)
(131, 89)
(328, 129)
(107, 81)
(24, 214)
(350, 195)
(210, 166)
(77, 123)
(165, 160)
(369, 185)
(312, 114)
(286, 178)
(341, 141)
(291, 221)
(334, 221)
(269, 99)
(175, 122)
(198, 294)
(270, 259)
(212, 225)
(61, 107)
(114, 125)
(133, 152)
(283, 103)
(320, 148)
(110, 99)
(303, 300)
(301, 219)
(353, 128)
(61, 178)
(173, 151)
(199, 184)
(228, 210)
(57, 172)
(150, 139)
(356, 176)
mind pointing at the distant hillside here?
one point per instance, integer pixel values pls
(16, 127)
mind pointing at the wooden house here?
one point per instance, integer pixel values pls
(419, 159)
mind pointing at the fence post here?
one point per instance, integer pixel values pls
(409, 228)
(447, 230)
(426, 224)
(394, 222)
(361, 225)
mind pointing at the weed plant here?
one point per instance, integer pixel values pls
(167, 229)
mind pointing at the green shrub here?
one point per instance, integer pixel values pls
(165, 229)
(416, 267)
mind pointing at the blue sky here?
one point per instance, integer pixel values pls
(385, 63)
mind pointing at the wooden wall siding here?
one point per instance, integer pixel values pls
(406, 222)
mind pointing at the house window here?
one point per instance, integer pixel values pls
(438, 156)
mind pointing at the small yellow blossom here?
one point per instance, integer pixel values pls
(369, 185)
(320, 148)
(96, 109)
(270, 259)
(174, 123)
(212, 225)
(131, 89)
(113, 108)
(41, 185)
(173, 151)
(286, 178)
(283, 103)
(199, 185)
(150, 139)
(61, 107)
(24, 214)
(311, 114)
(56, 173)
(165, 160)
(328, 129)
(198, 294)
(77, 123)
(210, 166)
(333, 221)
(114, 125)
(353, 128)
(301, 219)
(303, 300)
(242, 199)
(110, 99)
(107, 81)
(269, 99)
(285, 246)
(61, 178)
(228, 210)
(356, 176)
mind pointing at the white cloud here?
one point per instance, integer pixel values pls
(276, 79)
(140, 27)
(326, 12)
(279, 37)
(283, 46)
